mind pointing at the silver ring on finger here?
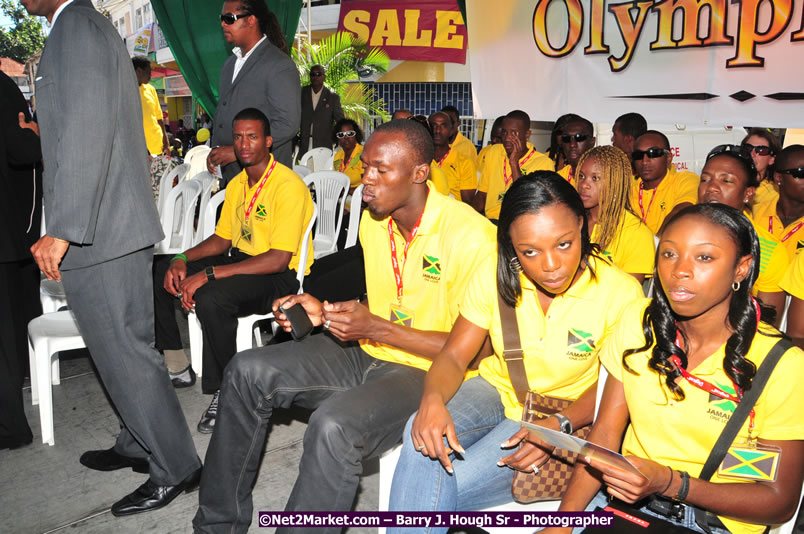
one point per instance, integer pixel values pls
(535, 469)
(420, 448)
(326, 325)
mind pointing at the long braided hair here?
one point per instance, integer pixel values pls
(614, 190)
(659, 321)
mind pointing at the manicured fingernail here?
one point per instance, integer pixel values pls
(500, 464)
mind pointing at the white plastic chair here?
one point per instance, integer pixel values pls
(177, 217)
(48, 335)
(206, 216)
(389, 460)
(166, 184)
(196, 159)
(209, 182)
(51, 295)
(331, 188)
(354, 217)
(301, 170)
(246, 326)
(318, 159)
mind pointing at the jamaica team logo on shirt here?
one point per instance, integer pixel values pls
(261, 212)
(799, 245)
(245, 234)
(580, 344)
(721, 409)
(431, 268)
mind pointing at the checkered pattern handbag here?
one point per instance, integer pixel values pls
(553, 477)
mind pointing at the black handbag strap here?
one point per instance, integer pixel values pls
(737, 419)
(512, 350)
(747, 402)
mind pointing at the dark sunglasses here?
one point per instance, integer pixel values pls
(653, 153)
(579, 138)
(347, 133)
(798, 172)
(741, 151)
(759, 150)
(316, 74)
(231, 18)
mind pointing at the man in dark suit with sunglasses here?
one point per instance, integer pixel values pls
(257, 75)
(660, 191)
(321, 109)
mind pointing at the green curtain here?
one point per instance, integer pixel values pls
(462, 7)
(193, 32)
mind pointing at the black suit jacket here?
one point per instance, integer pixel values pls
(322, 118)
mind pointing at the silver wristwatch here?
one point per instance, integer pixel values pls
(564, 423)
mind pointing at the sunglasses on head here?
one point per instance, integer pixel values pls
(579, 138)
(798, 172)
(759, 150)
(741, 151)
(347, 133)
(231, 18)
(653, 153)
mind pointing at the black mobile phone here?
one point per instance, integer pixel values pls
(300, 324)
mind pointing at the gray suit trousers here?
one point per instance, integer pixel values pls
(111, 303)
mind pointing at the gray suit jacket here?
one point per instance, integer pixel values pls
(268, 81)
(97, 191)
(322, 118)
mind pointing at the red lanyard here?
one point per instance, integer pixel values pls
(710, 388)
(394, 261)
(508, 176)
(795, 229)
(345, 162)
(264, 179)
(443, 158)
(641, 208)
(569, 175)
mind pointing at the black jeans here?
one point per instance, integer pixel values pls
(218, 304)
(361, 406)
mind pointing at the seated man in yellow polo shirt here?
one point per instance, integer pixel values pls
(782, 214)
(495, 138)
(364, 375)
(505, 163)
(155, 135)
(659, 190)
(250, 260)
(460, 170)
(457, 140)
(575, 137)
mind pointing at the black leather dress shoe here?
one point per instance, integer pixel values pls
(111, 460)
(149, 496)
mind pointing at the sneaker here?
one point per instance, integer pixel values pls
(183, 379)
(207, 423)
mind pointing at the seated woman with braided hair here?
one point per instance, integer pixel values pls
(604, 183)
(679, 365)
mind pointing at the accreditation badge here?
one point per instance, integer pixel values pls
(401, 316)
(751, 461)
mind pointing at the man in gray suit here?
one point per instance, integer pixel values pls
(256, 75)
(101, 227)
(321, 109)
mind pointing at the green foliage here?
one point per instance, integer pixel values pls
(25, 37)
(346, 60)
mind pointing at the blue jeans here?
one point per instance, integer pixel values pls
(422, 484)
(602, 500)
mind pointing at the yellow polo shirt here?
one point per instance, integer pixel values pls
(765, 192)
(151, 113)
(451, 241)
(439, 179)
(460, 171)
(689, 428)
(633, 248)
(773, 261)
(567, 174)
(793, 279)
(674, 189)
(354, 169)
(762, 214)
(464, 147)
(492, 180)
(560, 347)
(278, 219)
(481, 156)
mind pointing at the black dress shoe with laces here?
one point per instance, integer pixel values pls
(111, 460)
(150, 496)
